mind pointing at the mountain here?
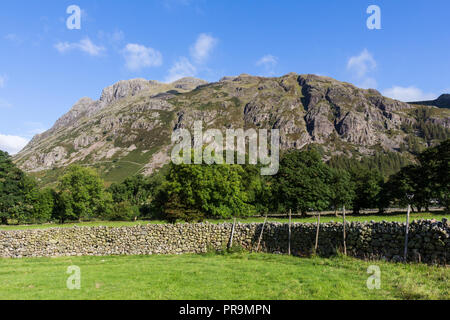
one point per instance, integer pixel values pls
(442, 102)
(128, 130)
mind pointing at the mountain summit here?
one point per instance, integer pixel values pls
(128, 130)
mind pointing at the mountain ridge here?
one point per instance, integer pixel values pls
(128, 130)
(443, 101)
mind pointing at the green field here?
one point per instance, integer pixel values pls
(324, 219)
(211, 276)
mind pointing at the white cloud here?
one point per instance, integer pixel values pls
(361, 67)
(63, 46)
(203, 48)
(85, 45)
(200, 52)
(138, 56)
(182, 68)
(12, 144)
(269, 62)
(362, 64)
(408, 94)
(367, 83)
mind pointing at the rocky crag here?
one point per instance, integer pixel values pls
(128, 130)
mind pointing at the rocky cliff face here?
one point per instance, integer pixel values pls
(128, 130)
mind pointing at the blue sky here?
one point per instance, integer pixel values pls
(45, 67)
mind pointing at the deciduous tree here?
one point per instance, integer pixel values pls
(301, 184)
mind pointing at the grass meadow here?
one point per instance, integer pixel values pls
(232, 276)
(228, 276)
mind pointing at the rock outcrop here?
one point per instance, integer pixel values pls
(127, 88)
(306, 109)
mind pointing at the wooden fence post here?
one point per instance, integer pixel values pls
(317, 234)
(343, 218)
(261, 235)
(232, 234)
(405, 255)
(289, 247)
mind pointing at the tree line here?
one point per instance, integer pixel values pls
(303, 184)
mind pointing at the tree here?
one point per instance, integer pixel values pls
(429, 180)
(123, 211)
(81, 195)
(213, 191)
(301, 184)
(387, 163)
(257, 188)
(175, 209)
(435, 167)
(409, 181)
(342, 189)
(38, 203)
(368, 187)
(14, 186)
(43, 205)
(136, 190)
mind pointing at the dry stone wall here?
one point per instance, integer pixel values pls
(429, 241)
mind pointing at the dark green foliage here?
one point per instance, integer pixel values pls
(413, 144)
(123, 211)
(387, 163)
(82, 196)
(215, 191)
(342, 189)
(301, 184)
(257, 188)
(431, 131)
(195, 192)
(135, 190)
(411, 180)
(20, 199)
(435, 163)
(427, 181)
(407, 128)
(15, 187)
(368, 186)
(427, 129)
(43, 204)
(435, 167)
(175, 209)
